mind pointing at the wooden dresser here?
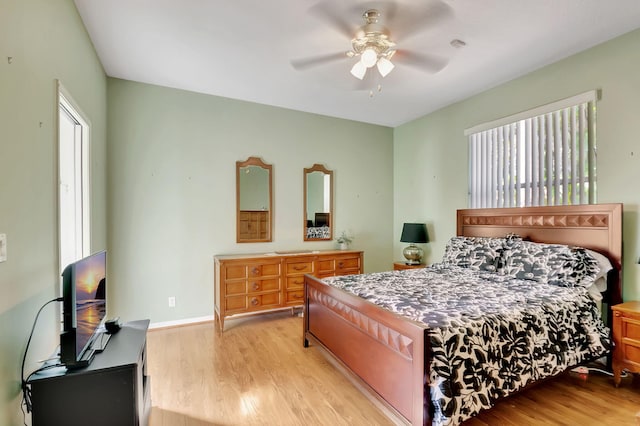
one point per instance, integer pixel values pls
(626, 336)
(254, 283)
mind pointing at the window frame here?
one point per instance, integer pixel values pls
(515, 149)
(65, 104)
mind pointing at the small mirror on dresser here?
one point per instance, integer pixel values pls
(318, 203)
(254, 201)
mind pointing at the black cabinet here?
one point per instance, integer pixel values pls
(113, 390)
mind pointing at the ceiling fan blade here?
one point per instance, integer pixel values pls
(329, 11)
(421, 61)
(408, 21)
(313, 61)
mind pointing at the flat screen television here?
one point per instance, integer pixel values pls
(84, 308)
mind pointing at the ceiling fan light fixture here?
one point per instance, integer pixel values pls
(384, 66)
(369, 57)
(358, 70)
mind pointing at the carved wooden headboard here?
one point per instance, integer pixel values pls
(594, 226)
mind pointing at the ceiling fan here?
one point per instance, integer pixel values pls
(373, 44)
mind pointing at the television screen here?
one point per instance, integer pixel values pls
(90, 282)
(84, 305)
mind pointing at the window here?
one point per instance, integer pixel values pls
(73, 180)
(545, 156)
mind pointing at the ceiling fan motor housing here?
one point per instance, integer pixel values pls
(372, 35)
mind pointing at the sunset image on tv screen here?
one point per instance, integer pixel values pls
(90, 281)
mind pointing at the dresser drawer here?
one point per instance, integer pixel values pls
(236, 287)
(255, 270)
(263, 285)
(631, 354)
(263, 270)
(252, 302)
(340, 264)
(267, 300)
(347, 264)
(631, 329)
(234, 272)
(325, 266)
(235, 303)
(295, 297)
(302, 267)
(253, 286)
(295, 282)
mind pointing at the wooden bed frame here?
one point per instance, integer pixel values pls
(389, 354)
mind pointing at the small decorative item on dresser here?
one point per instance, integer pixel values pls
(344, 240)
(626, 336)
(399, 266)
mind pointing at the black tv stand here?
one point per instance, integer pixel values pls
(113, 389)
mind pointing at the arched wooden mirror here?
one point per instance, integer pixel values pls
(253, 201)
(318, 203)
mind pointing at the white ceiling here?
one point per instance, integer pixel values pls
(242, 49)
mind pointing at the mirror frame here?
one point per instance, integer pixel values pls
(307, 171)
(254, 161)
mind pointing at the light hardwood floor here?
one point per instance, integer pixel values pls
(258, 373)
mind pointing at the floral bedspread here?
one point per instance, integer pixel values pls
(490, 334)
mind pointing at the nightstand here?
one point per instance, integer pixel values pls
(626, 336)
(399, 266)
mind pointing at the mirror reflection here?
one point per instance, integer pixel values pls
(253, 200)
(318, 203)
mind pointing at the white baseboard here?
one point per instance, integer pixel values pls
(179, 323)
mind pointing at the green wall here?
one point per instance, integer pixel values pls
(172, 206)
(46, 41)
(430, 153)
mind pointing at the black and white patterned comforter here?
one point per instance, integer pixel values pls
(490, 334)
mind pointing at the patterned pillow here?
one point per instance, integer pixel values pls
(480, 253)
(551, 263)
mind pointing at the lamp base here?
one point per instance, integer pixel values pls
(413, 254)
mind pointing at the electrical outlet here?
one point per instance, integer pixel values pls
(3, 247)
(172, 302)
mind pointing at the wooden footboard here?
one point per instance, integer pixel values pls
(386, 351)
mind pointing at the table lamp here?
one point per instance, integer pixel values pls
(414, 233)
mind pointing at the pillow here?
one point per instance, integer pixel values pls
(551, 263)
(479, 253)
(605, 266)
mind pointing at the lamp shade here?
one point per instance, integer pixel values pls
(384, 66)
(414, 233)
(358, 70)
(369, 57)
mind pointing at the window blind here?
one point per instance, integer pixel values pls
(544, 157)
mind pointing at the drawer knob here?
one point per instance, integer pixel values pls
(340, 264)
(254, 301)
(255, 286)
(255, 271)
(299, 268)
(617, 314)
